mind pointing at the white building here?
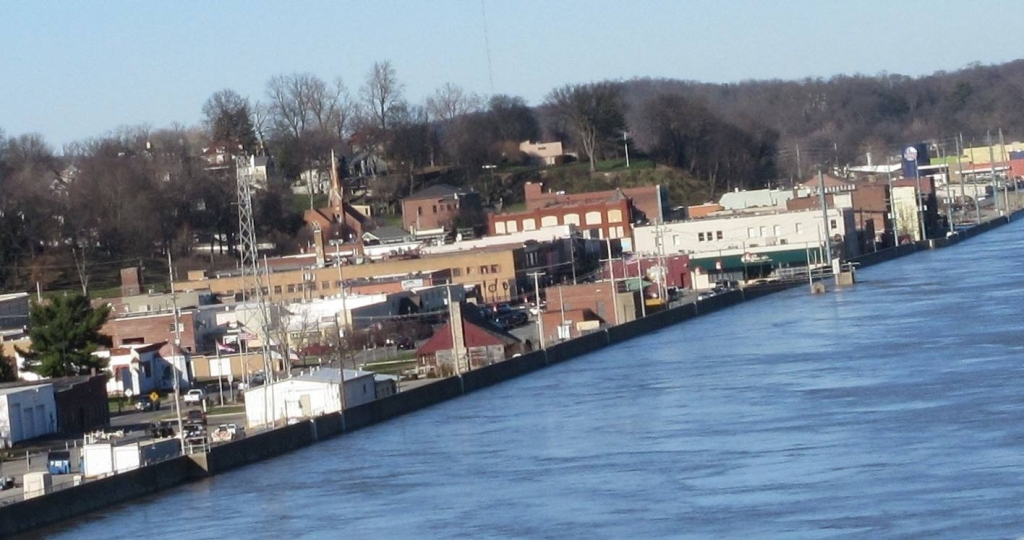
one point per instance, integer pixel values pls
(747, 233)
(140, 369)
(543, 234)
(26, 412)
(311, 394)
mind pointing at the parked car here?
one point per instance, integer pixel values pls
(161, 429)
(194, 396)
(196, 416)
(145, 403)
(195, 433)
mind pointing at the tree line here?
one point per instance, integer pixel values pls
(140, 191)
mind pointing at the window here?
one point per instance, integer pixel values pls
(798, 228)
(750, 232)
(499, 227)
(675, 239)
(529, 224)
(277, 289)
(338, 284)
(419, 210)
(512, 226)
(325, 285)
(548, 221)
(469, 270)
(571, 219)
(832, 224)
(484, 268)
(312, 286)
(615, 216)
(291, 288)
(718, 235)
(456, 272)
(700, 237)
(170, 327)
(593, 218)
(434, 208)
(495, 269)
(763, 231)
(777, 230)
(710, 236)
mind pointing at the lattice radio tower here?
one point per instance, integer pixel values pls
(252, 282)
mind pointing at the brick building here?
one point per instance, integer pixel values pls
(650, 202)
(610, 218)
(595, 297)
(437, 206)
(152, 328)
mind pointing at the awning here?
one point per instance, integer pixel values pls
(716, 263)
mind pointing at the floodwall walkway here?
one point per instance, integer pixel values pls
(98, 494)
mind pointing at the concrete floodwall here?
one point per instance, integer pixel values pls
(502, 371)
(719, 301)
(95, 495)
(328, 425)
(572, 348)
(404, 402)
(255, 448)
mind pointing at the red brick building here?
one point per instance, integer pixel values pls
(650, 202)
(437, 206)
(151, 328)
(595, 297)
(611, 218)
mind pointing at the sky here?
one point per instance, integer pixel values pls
(76, 70)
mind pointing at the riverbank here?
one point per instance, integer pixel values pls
(100, 494)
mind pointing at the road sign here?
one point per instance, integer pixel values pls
(128, 392)
(154, 396)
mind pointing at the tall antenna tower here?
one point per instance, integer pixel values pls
(252, 283)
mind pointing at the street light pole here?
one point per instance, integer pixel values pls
(536, 299)
(177, 340)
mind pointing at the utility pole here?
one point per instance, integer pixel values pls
(799, 168)
(992, 165)
(177, 341)
(451, 325)
(540, 315)
(643, 297)
(625, 144)
(892, 205)
(824, 217)
(344, 294)
(1003, 159)
(611, 274)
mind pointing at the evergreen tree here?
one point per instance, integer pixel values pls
(64, 333)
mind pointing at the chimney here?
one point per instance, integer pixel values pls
(318, 242)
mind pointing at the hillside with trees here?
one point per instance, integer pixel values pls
(71, 218)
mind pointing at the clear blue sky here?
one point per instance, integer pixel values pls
(73, 70)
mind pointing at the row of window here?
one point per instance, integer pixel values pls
(444, 207)
(484, 269)
(530, 224)
(709, 236)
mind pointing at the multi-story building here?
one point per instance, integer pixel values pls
(545, 153)
(152, 327)
(437, 207)
(650, 202)
(751, 245)
(611, 218)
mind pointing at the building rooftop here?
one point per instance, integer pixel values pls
(330, 375)
(438, 191)
(6, 390)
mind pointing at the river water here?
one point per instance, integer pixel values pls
(892, 409)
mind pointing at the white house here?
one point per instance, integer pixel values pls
(26, 412)
(311, 394)
(141, 369)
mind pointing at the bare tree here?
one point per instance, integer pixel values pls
(450, 102)
(382, 93)
(593, 112)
